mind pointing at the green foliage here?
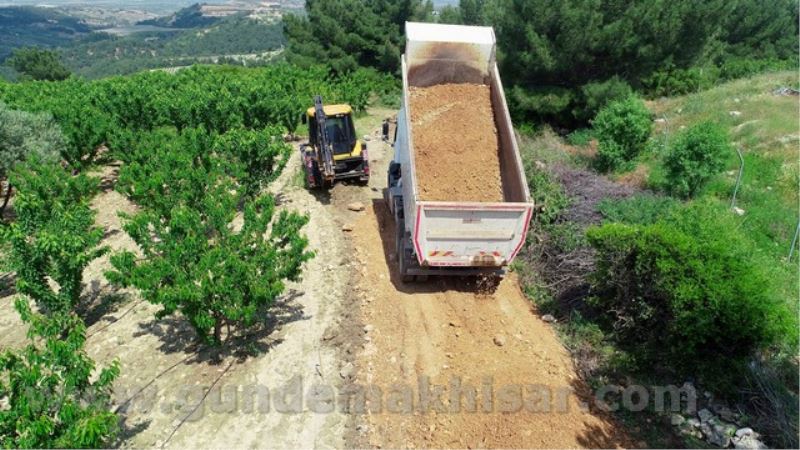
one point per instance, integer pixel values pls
(263, 155)
(580, 137)
(216, 98)
(642, 209)
(734, 68)
(663, 46)
(38, 64)
(689, 292)
(547, 194)
(24, 135)
(597, 95)
(196, 261)
(676, 81)
(53, 399)
(622, 129)
(695, 156)
(348, 34)
(54, 237)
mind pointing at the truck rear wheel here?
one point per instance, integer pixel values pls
(400, 247)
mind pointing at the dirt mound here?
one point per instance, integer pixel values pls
(455, 143)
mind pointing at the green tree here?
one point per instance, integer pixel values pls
(38, 64)
(346, 34)
(554, 47)
(695, 156)
(196, 261)
(24, 135)
(622, 129)
(262, 155)
(53, 237)
(52, 398)
(472, 11)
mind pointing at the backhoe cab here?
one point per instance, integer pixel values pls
(333, 151)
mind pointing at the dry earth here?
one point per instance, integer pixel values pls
(445, 331)
(350, 322)
(455, 143)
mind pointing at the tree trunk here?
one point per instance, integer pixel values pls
(217, 330)
(5, 201)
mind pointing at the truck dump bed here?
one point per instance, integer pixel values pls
(460, 233)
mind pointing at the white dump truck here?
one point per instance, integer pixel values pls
(455, 237)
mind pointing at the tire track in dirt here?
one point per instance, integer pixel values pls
(443, 330)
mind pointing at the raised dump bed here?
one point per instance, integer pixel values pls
(456, 185)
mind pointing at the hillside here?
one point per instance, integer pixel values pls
(231, 37)
(189, 17)
(30, 26)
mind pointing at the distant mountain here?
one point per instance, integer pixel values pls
(26, 26)
(189, 17)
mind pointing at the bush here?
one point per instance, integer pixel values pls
(53, 397)
(689, 292)
(734, 68)
(674, 81)
(622, 129)
(695, 156)
(24, 135)
(643, 209)
(596, 95)
(54, 236)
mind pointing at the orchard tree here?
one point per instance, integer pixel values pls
(52, 398)
(195, 258)
(38, 64)
(262, 153)
(53, 238)
(24, 135)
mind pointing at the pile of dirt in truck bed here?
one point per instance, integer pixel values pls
(455, 143)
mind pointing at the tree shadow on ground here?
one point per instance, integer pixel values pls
(98, 301)
(177, 335)
(8, 284)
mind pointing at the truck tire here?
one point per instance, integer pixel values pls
(400, 248)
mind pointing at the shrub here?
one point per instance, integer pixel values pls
(622, 129)
(547, 194)
(54, 237)
(24, 135)
(643, 209)
(695, 156)
(734, 68)
(53, 397)
(689, 291)
(674, 81)
(597, 95)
